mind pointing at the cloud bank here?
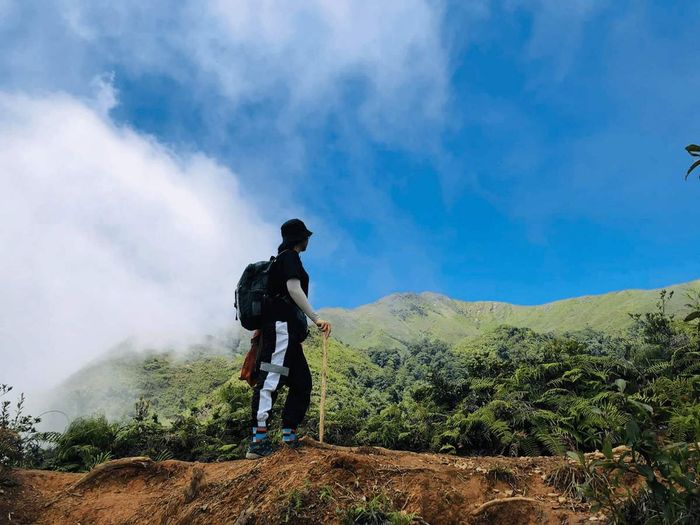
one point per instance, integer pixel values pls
(108, 234)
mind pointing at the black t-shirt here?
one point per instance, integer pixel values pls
(287, 266)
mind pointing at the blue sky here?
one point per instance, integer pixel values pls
(522, 151)
(513, 150)
(554, 168)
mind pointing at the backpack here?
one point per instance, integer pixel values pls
(252, 295)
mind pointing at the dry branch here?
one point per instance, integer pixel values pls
(140, 462)
(310, 442)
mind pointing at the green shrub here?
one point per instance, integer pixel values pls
(85, 440)
(670, 493)
(17, 444)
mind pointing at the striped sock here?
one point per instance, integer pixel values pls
(259, 434)
(289, 434)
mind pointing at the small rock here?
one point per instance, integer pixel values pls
(561, 499)
(552, 494)
(508, 493)
(496, 490)
(592, 518)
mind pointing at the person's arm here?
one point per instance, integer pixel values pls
(299, 297)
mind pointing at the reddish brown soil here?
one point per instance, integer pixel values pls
(311, 485)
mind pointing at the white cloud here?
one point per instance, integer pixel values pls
(296, 55)
(107, 234)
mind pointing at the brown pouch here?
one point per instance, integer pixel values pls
(248, 370)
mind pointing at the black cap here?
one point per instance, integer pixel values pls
(295, 230)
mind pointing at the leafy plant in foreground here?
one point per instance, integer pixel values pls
(667, 471)
(16, 431)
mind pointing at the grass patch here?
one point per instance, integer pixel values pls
(500, 473)
(569, 480)
(295, 502)
(378, 510)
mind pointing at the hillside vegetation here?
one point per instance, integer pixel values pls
(510, 391)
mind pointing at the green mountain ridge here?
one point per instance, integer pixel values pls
(403, 318)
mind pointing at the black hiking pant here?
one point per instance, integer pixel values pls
(281, 362)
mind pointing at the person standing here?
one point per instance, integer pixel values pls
(281, 360)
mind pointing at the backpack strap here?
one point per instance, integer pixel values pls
(272, 258)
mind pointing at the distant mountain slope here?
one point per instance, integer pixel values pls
(173, 381)
(403, 318)
(111, 386)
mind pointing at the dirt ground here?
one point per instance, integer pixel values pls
(314, 484)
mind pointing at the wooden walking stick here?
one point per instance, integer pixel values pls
(324, 373)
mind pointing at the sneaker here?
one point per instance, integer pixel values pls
(260, 449)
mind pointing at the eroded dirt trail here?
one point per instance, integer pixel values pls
(312, 485)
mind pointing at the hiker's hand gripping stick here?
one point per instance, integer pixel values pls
(324, 326)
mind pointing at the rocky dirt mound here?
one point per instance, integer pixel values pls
(316, 484)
